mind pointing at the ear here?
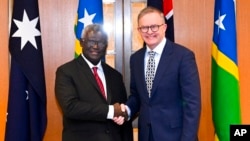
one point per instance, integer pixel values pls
(165, 26)
(138, 29)
(81, 43)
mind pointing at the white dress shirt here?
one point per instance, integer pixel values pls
(100, 72)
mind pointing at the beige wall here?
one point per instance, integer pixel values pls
(243, 22)
(4, 68)
(193, 28)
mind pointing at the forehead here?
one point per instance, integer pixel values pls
(95, 35)
(150, 19)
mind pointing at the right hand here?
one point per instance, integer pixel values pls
(121, 119)
(120, 110)
(125, 113)
(117, 110)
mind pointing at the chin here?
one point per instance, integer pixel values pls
(151, 45)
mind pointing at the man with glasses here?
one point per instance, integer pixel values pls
(165, 85)
(89, 92)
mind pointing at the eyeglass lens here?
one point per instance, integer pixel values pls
(93, 43)
(153, 28)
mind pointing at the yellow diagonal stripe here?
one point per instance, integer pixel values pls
(78, 48)
(224, 62)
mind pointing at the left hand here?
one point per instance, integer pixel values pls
(119, 120)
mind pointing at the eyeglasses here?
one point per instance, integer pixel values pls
(91, 43)
(153, 28)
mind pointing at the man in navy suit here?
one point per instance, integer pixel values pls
(169, 109)
(88, 109)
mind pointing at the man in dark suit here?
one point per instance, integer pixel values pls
(166, 95)
(88, 109)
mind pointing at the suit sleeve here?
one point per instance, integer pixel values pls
(67, 89)
(134, 100)
(127, 129)
(191, 94)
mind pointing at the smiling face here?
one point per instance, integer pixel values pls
(152, 20)
(94, 44)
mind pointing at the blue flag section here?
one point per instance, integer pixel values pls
(166, 6)
(89, 12)
(156, 3)
(225, 28)
(26, 117)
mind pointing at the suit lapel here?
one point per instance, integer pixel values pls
(108, 79)
(87, 73)
(163, 64)
(140, 72)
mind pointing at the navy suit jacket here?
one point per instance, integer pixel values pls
(173, 110)
(83, 106)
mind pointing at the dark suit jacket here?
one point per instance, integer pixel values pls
(83, 106)
(173, 111)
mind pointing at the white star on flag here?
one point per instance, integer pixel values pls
(27, 30)
(87, 19)
(219, 22)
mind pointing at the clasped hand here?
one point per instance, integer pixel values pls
(120, 114)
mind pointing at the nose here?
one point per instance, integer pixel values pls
(149, 30)
(95, 45)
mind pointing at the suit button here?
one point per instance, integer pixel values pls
(107, 131)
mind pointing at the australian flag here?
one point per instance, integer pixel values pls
(26, 117)
(166, 6)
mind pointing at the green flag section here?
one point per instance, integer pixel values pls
(89, 12)
(225, 77)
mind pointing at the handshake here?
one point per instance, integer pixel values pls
(120, 113)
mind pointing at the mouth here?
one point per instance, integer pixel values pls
(151, 36)
(94, 52)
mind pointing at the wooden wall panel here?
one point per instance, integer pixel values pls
(57, 25)
(243, 28)
(4, 71)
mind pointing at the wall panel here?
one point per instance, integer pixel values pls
(243, 28)
(57, 25)
(4, 71)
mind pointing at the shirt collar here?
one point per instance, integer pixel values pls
(90, 64)
(159, 48)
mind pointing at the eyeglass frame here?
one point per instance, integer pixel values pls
(90, 43)
(151, 28)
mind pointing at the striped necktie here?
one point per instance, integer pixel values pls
(99, 81)
(150, 72)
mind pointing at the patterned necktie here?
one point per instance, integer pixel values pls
(150, 72)
(99, 81)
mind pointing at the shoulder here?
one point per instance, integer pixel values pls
(110, 70)
(178, 48)
(70, 65)
(139, 53)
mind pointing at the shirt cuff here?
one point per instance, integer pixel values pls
(110, 112)
(128, 111)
